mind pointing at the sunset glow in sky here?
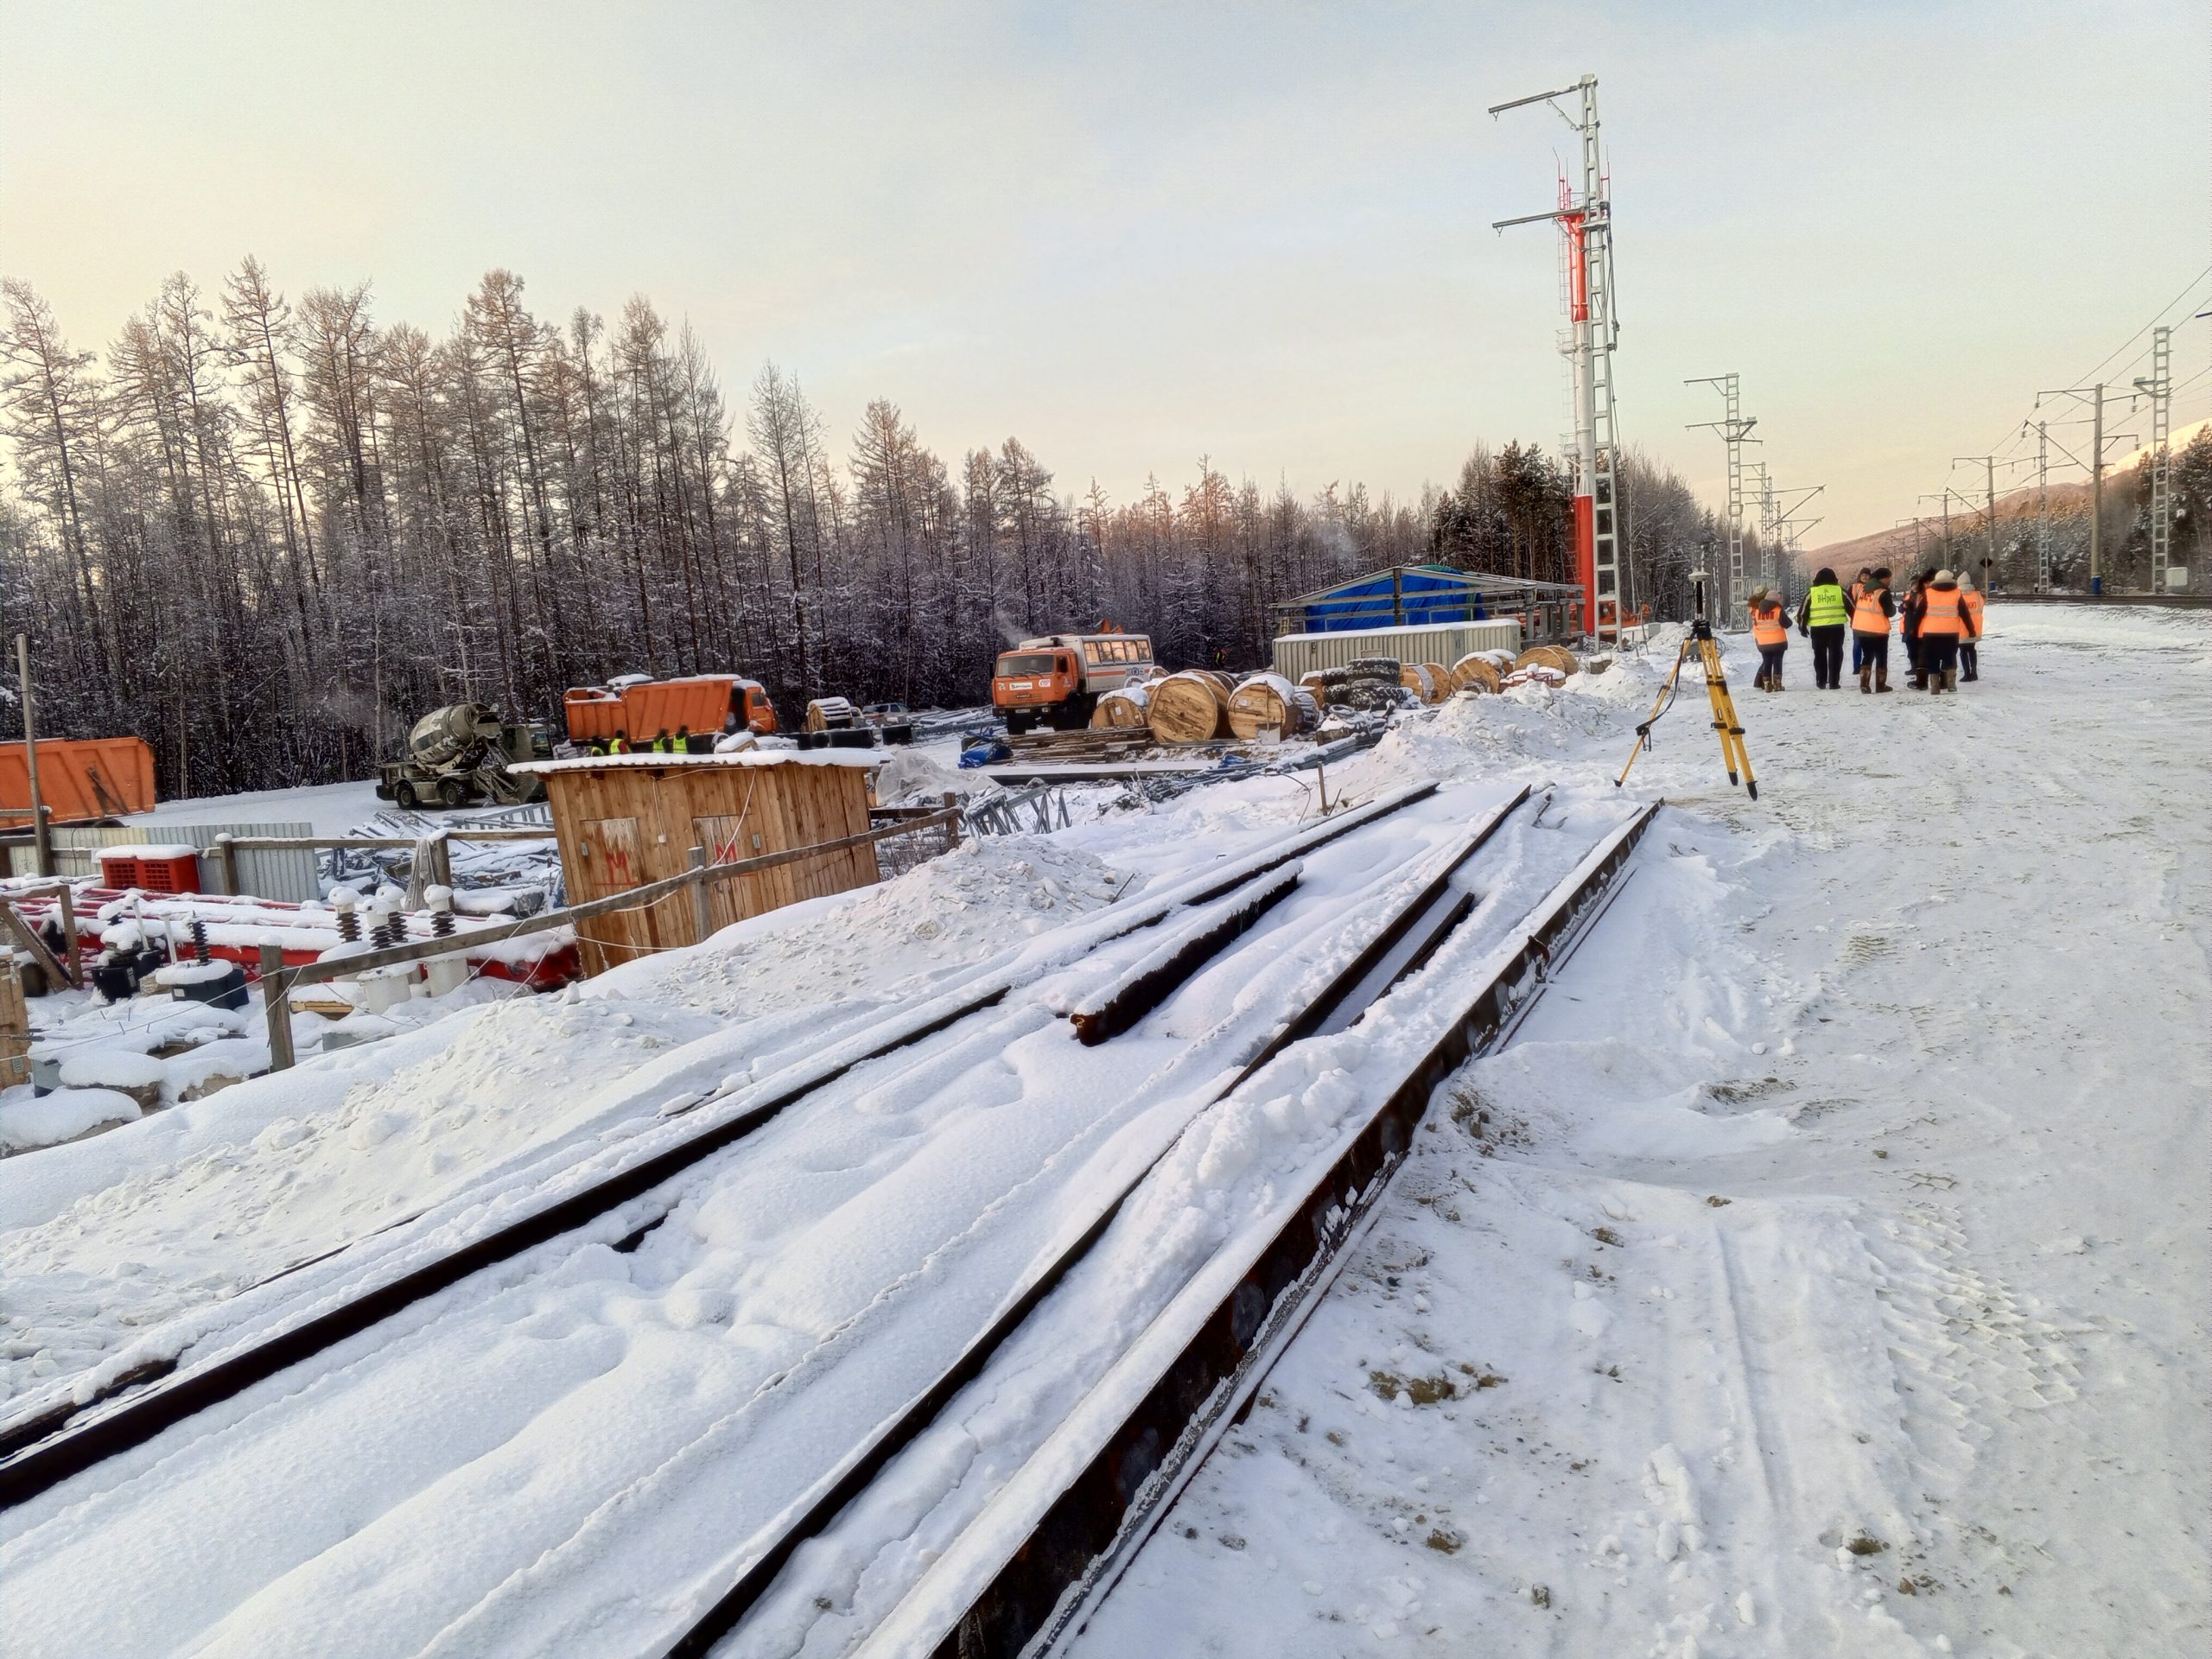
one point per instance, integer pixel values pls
(1134, 236)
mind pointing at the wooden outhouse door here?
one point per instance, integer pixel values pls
(614, 855)
(727, 838)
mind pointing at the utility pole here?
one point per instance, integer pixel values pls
(2159, 386)
(1944, 496)
(1584, 219)
(41, 837)
(2042, 508)
(2097, 494)
(1733, 428)
(2094, 466)
(1792, 527)
(1989, 506)
(2095, 396)
(1762, 481)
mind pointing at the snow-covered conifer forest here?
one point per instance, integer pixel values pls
(277, 510)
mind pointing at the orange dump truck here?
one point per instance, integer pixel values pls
(697, 708)
(1058, 680)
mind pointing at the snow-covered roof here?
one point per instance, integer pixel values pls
(742, 757)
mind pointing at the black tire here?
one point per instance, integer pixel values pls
(403, 796)
(452, 792)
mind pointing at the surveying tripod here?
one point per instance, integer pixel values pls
(1733, 755)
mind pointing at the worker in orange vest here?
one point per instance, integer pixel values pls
(1970, 643)
(1770, 633)
(1943, 624)
(1870, 630)
(1859, 584)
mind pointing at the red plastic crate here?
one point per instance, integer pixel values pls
(119, 867)
(160, 869)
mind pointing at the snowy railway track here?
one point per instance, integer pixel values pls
(710, 1523)
(1024, 1575)
(55, 1439)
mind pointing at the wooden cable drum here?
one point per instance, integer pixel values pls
(1191, 706)
(1558, 656)
(829, 714)
(1123, 708)
(1429, 682)
(1476, 671)
(1270, 701)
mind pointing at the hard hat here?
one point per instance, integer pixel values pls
(1944, 575)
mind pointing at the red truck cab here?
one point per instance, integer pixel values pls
(1058, 680)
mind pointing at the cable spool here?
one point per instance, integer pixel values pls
(1124, 708)
(1430, 682)
(1558, 656)
(1270, 701)
(1476, 672)
(1191, 706)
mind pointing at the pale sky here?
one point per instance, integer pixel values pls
(1135, 235)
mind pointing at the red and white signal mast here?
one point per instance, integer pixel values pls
(1584, 219)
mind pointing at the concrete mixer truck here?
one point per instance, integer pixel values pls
(460, 754)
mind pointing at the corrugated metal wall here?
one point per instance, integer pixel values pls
(287, 874)
(1445, 643)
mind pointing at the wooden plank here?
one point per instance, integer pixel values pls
(15, 1028)
(56, 975)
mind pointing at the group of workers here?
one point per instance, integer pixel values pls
(1941, 617)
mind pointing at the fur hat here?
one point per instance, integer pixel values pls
(1942, 576)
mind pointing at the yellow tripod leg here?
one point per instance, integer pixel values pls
(1658, 704)
(1733, 754)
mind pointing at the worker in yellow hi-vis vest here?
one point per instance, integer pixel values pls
(1825, 616)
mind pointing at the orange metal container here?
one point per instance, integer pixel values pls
(79, 779)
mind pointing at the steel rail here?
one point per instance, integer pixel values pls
(815, 1510)
(39, 1452)
(1019, 1593)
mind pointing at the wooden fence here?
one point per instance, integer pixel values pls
(278, 981)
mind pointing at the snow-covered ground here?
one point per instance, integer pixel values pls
(1849, 1189)
(327, 809)
(1824, 1269)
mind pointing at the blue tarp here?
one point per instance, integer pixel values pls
(1427, 599)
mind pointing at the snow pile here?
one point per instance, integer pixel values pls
(1467, 737)
(27, 1122)
(111, 1068)
(164, 1239)
(988, 896)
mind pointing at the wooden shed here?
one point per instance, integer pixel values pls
(625, 820)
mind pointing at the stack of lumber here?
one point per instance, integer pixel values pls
(1270, 703)
(1096, 743)
(1191, 706)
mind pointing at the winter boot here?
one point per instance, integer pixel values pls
(1882, 678)
(1951, 680)
(1866, 680)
